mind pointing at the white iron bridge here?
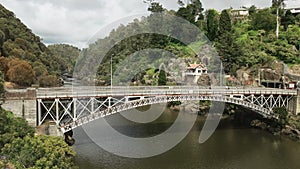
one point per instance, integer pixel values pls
(72, 107)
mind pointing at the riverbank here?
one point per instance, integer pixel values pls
(252, 119)
(288, 130)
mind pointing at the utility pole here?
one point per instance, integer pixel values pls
(280, 3)
(111, 71)
(277, 22)
(221, 78)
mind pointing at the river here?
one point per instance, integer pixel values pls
(230, 147)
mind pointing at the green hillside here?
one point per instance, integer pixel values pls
(25, 60)
(247, 42)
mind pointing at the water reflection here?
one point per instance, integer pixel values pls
(231, 146)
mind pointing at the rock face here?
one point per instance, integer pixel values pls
(204, 80)
(265, 126)
(190, 106)
(295, 70)
(244, 77)
(275, 71)
(175, 69)
(278, 67)
(258, 124)
(54, 131)
(270, 74)
(289, 131)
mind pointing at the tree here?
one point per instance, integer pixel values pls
(67, 56)
(20, 72)
(225, 22)
(288, 19)
(18, 41)
(39, 69)
(192, 11)
(162, 79)
(292, 35)
(12, 127)
(180, 3)
(48, 81)
(39, 152)
(229, 51)
(297, 19)
(2, 40)
(276, 3)
(4, 66)
(20, 147)
(2, 90)
(263, 19)
(197, 9)
(156, 7)
(212, 24)
(252, 10)
(282, 116)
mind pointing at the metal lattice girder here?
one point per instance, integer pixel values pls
(161, 99)
(268, 101)
(70, 111)
(48, 109)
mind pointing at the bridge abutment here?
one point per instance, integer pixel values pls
(23, 104)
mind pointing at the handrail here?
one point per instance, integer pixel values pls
(96, 91)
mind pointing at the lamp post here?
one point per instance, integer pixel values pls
(221, 77)
(111, 71)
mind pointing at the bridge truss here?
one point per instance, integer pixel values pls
(71, 112)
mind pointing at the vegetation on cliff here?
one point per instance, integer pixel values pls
(240, 42)
(25, 60)
(245, 42)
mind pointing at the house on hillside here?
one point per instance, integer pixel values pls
(194, 71)
(293, 6)
(294, 11)
(239, 14)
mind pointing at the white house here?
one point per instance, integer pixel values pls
(239, 14)
(293, 5)
(295, 11)
(194, 71)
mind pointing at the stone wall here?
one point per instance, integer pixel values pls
(22, 103)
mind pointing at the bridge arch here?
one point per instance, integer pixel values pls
(123, 106)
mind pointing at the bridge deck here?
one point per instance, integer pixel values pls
(100, 91)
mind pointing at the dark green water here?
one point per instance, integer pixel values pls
(230, 147)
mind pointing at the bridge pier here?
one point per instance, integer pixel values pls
(294, 104)
(298, 102)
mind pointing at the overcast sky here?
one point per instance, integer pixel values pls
(76, 21)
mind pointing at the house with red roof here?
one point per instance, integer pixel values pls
(194, 71)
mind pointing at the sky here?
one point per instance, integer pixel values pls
(76, 21)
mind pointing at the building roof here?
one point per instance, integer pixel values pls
(195, 66)
(295, 10)
(293, 5)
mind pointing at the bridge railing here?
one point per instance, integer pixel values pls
(92, 91)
